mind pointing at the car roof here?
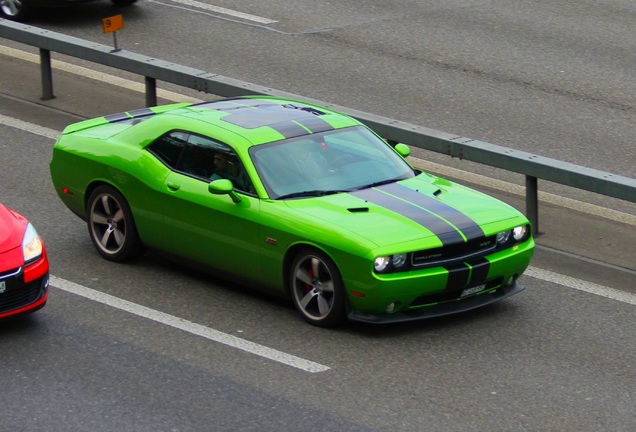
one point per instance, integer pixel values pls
(266, 119)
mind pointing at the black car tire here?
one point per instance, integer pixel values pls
(15, 10)
(317, 289)
(124, 2)
(111, 225)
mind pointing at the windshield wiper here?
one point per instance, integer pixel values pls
(380, 183)
(311, 193)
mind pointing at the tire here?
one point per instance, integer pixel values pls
(123, 2)
(317, 289)
(15, 10)
(111, 226)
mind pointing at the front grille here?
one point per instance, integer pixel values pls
(16, 293)
(10, 275)
(454, 253)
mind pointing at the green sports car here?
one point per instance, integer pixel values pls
(295, 199)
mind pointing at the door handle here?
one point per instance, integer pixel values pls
(173, 186)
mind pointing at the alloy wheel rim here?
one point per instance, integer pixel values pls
(108, 224)
(313, 287)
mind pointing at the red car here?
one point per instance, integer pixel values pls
(24, 267)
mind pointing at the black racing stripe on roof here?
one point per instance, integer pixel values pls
(315, 124)
(443, 230)
(289, 129)
(466, 225)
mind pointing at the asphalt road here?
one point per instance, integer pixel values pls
(152, 346)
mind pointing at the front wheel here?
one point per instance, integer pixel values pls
(111, 225)
(317, 289)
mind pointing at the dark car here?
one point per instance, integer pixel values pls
(24, 266)
(18, 10)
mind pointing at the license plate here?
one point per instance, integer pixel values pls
(3, 286)
(473, 290)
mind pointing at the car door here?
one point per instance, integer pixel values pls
(202, 227)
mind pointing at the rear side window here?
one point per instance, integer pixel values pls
(169, 147)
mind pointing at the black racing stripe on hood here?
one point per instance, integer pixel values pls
(443, 230)
(467, 226)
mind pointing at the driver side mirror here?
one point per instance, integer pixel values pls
(403, 150)
(224, 187)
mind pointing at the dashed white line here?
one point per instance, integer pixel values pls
(188, 326)
(29, 127)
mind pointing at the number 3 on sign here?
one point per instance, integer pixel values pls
(112, 24)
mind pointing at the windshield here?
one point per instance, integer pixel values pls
(328, 162)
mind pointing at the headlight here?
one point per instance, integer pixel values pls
(503, 237)
(519, 233)
(31, 245)
(399, 260)
(381, 263)
(391, 263)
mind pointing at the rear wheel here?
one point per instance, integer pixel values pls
(111, 225)
(317, 289)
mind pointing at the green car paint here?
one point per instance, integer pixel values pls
(367, 202)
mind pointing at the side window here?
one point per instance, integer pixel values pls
(198, 157)
(201, 157)
(169, 147)
(227, 165)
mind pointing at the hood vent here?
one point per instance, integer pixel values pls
(358, 209)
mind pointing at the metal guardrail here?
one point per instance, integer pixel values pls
(533, 166)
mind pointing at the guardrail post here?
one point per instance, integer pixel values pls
(151, 92)
(47, 74)
(532, 203)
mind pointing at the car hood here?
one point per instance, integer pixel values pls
(12, 226)
(424, 211)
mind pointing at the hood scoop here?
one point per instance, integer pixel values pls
(358, 209)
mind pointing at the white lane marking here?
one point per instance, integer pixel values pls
(581, 285)
(29, 127)
(188, 326)
(224, 11)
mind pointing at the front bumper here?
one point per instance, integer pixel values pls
(440, 309)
